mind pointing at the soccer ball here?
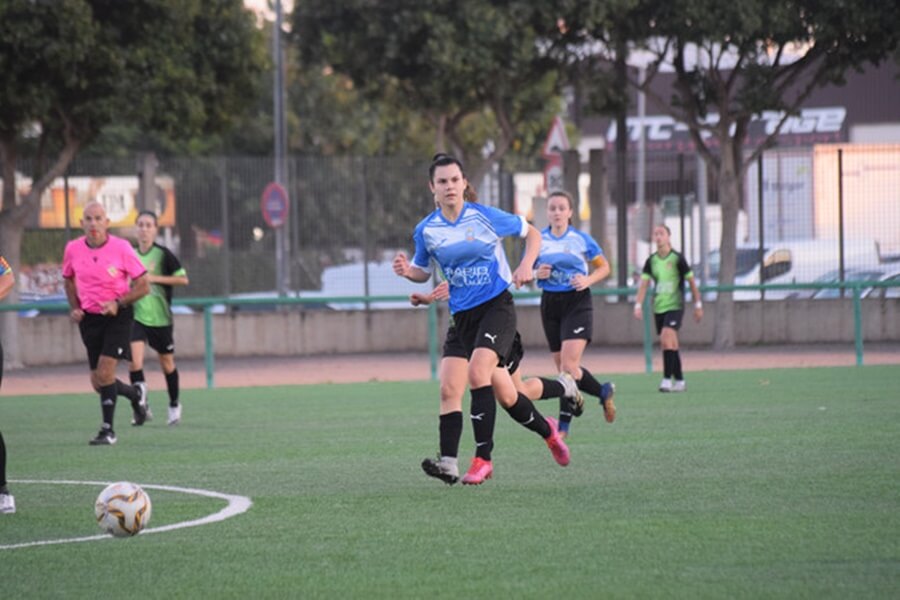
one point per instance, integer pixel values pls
(122, 509)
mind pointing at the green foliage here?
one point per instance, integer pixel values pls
(475, 72)
(754, 484)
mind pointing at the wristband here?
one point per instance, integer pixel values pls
(637, 306)
(698, 304)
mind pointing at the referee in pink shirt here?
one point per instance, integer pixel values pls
(103, 278)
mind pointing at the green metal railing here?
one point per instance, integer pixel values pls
(208, 306)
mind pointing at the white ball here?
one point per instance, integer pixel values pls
(123, 509)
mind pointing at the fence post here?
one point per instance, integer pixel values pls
(857, 322)
(648, 340)
(208, 346)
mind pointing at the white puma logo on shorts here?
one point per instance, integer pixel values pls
(493, 338)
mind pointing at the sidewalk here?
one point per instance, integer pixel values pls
(345, 368)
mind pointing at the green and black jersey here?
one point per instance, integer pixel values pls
(155, 309)
(668, 275)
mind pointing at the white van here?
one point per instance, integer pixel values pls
(791, 262)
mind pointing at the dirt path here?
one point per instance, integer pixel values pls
(260, 371)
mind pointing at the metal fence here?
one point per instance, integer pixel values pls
(826, 213)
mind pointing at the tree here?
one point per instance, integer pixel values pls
(473, 69)
(70, 67)
(732, 61)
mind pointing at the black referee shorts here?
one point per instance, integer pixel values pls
(107, 336)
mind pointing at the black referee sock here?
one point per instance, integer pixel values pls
(108, 403)
(172, 386)
(483, 413)
(3, 489)
(669, 362)
(676, 365)
(526, 415)
(136, 376)
(552, 388)
(450, 430)
(588, 383)
(123, 389)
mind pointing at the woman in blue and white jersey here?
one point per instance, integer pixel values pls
(569, 263)
(464, 240)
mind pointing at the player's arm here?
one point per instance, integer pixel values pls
(403, 268)
(524, 273)
(75, 311)
(698, 301)
(169, 279)
(639, 299)
(7, 281)
(600, 272)
(173, 272)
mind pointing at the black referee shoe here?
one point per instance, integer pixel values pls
(106, 437)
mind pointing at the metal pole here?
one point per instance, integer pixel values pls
(226, 230)
(762, 246)
(280, 139)
(840, 160)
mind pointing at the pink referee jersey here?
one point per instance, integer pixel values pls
(101, 274)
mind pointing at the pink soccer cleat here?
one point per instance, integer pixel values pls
(479, 471)
(556, 444)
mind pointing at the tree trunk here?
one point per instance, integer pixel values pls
(729, 188)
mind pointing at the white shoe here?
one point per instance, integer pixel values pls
(679, 386)
(572, 393)
(174, 415)
(444, 468)
(665, 385)
(7, 504)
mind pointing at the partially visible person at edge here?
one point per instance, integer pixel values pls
(669, 270)
(464, 240)
(563, 272)
(7, 501)
(153, 324)
(103, 280)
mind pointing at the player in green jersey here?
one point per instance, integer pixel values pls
(669, 270)
(153, 313)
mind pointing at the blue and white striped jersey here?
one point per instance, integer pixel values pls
(568, 254)
(469, 252)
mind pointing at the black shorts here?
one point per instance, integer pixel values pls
(670, 319)
(107, 336)
(567, 316)
(489, 325)
(453, 348)
(160, 339)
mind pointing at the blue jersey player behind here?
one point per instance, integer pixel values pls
(569, 263)
(464, 240)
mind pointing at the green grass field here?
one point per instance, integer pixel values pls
(754, 484)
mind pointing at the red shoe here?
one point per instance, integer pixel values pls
(479, 471)
(556, 444)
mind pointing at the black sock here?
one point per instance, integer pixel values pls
(565, 415)
(450, 430)
(669, 362)
(123, 389)
(552, 388)
(108, 403)
(676, 365)
(526, 415)
(483, 412)
(172, 386)
(2, 465)
(136, 376)
(588, 383)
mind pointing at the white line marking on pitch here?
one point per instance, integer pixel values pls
(236, 505)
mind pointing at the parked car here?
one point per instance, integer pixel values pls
(860, 275)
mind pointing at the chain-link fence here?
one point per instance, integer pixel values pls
(824, 213)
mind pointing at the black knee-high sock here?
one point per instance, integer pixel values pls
(588, 383)
(172, 386)
(526, 415)
(565, 415)
(450, 430)
(108, 404)
(552, 388)
(129, 391)
(2, 464)
(669, 362)
(483, 413)
(676, 365)
(136, 376)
